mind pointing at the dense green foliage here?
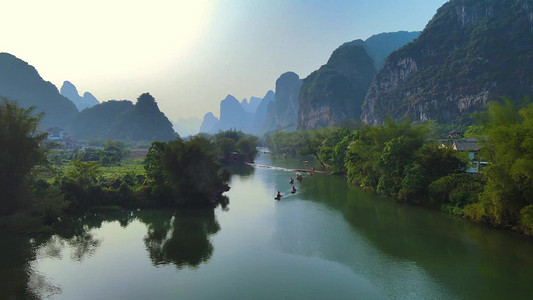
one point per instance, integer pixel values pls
(508, 147)
(19, 153)
(302, 142)
(184, 172)
(395, 159)
(235, 146)
(333, 149)
(391, 159)
(455, 191)
(285, 142)
(112, 153)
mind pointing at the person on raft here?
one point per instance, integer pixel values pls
(291, 181)
(278, 196)
(293, 189)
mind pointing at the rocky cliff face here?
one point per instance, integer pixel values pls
(19, 81)
(336, 91)
(282, 112)
(471, 52)
(71, 92)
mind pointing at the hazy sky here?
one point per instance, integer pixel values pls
(190, 54)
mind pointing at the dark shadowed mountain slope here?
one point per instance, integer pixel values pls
(99, 119)
(282, 113)
(124, 121)
(19, 81)
(335, 92)
(144, 121)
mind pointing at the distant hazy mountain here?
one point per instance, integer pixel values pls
(124, 121)
(282, 113)
(252, 105)
(335, 92)
(256, 125)
(20, 81)
(472, 51)
(69, 90)
(245, 116)
(381, 45)
(208, 123)
(232, 115)
(187, 126)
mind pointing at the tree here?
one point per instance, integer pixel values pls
(80, 183)
(378, 155)
(246, 147)
(184, 173)
(312, 142)
(117, 148)
(395, 157)
(508, 149)
(430, 163)
(334, 149)
(19, 153)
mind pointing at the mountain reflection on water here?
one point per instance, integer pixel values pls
(180, 238)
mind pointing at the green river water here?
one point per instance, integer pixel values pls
(327, 241)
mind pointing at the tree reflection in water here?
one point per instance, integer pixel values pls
(16, 254)
(182, 238)
(242, 170)
(179, 237)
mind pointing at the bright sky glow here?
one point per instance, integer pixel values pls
(190, 54)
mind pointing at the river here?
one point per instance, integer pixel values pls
(329, 240)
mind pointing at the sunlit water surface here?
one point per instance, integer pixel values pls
(327, 241)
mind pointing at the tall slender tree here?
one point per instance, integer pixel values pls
(19, 153)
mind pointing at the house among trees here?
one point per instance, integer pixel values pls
(56, 133)
(470, 146)
(61, 139)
